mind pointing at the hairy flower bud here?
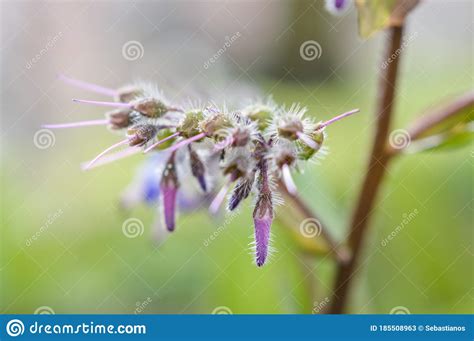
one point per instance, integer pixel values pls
(284, 157)
(263, 215)
(306, 152)
(141, 134)
(197, 168)
(128, 93)
(120, 118)
(150, 107)
(241, 190)
(238, 164)
(240, 137)
(261, 139)
(214, 123)
(259, 113)
(189, 126)
(290, 129)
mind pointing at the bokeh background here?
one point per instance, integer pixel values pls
(81, 261)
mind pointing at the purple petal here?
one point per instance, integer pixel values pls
(156, 144)
(169, 187)
(88, 86)
(151, 190)
(202, 182)
(169, 203)
(185, 142)
(337, 7)
(219, 198)
(110, 158)
(262, 237)
(262, 219)
(339, 3)
(338, 117)
(75, 124)
(118, 144)
(103, 103)
(288, 179)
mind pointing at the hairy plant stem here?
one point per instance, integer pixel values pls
(375, 172)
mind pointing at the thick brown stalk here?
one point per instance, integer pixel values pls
(376, 169)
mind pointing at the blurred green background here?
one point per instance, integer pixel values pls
(83, 263)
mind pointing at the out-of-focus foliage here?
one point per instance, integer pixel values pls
(375, 15)
(459, 136)
(455, 132)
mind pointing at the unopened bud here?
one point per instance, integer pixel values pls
(263, 215)
(240, 137)
(197, 168)
(241, 190)
(139, 135)
(150, 107)
(119, 118)
(128, 93)
(214, 123)
(259, 113)
(189, 126)
(306, 152)
(262, 218)
(290, 129)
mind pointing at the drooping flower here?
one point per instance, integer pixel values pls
(263, 215)
(195, 145)
(197, 168)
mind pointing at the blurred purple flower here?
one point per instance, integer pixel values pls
(337, 7)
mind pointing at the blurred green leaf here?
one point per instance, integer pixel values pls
(459, 136)
(374, 15)
(458, 122)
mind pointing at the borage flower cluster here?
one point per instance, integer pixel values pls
(254, 147)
